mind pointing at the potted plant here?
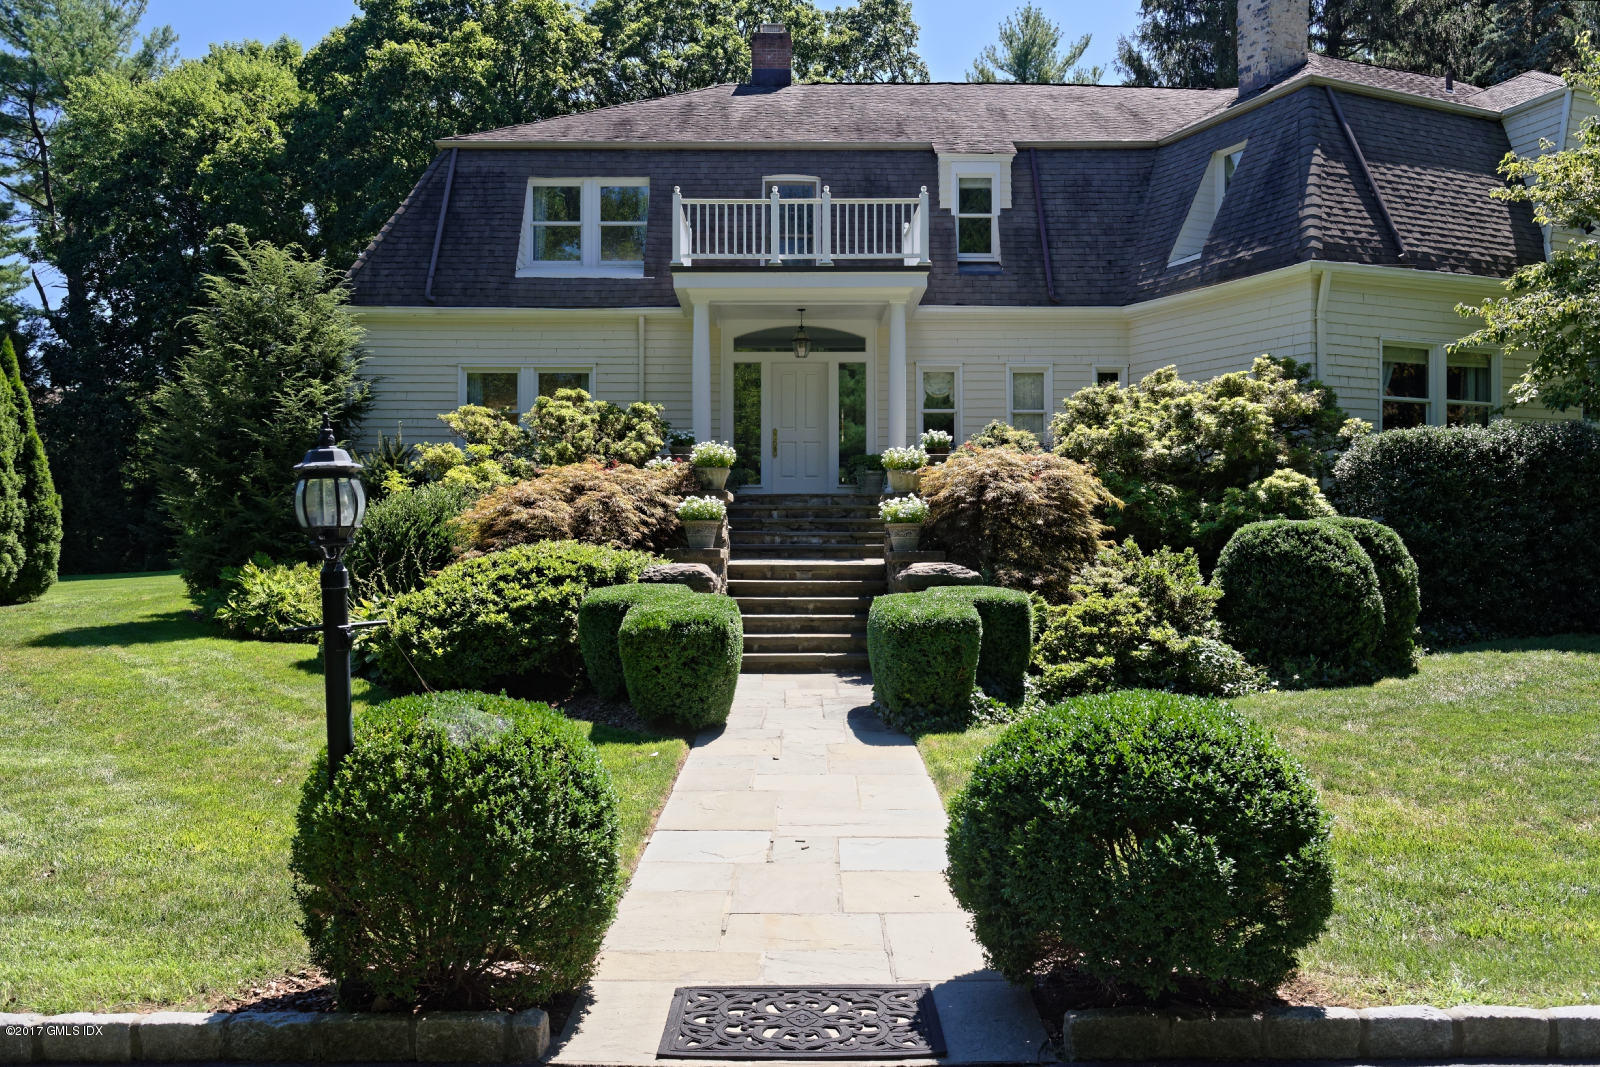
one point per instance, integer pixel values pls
(902, 465)
(712, 461)
(702, 517)
(679, 442)
(869, 475)
(936, 442)
(902, 521)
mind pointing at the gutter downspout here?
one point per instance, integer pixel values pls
(438, 231)
(642, 394)
(1366, 172)
(1320, 317)
(1044, 237)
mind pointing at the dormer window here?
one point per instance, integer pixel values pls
(1207, 205)
(977, 223)
(584, 227)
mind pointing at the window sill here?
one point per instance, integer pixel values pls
(581, 271)
(987, 266)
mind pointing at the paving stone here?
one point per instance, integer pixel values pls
(652, 922)
(827, 966)
(891, 854)
(791, 888)
(708, 846)
(1122, 1034)
(713, 779)
(743, 810)
(704, 968)
(86, 1037)
(876, 765)
(181, 1036)
(1575, 1031)
(1217, 1037)
(775, 933)
(987, 1021)
(1406, 1032)
(904, 891)
(363, 1037)
(899, 792)
(742, 746)
(1310, 1033)
(462, 1037)
(16, 1037)
(788, 849)
(270, 1035)
(672, 877)
(1491, 1030)
(629, 1019)
(530, 1036)
(933, 947)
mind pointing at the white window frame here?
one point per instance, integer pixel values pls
(993, 215)
(1206, 206)
(790, 179)
(996, 167)
(527, 378)
(590, 264)
(1046, 369)
(1119, 369)
(922, 395)
(1489, 405)
(1435, 407)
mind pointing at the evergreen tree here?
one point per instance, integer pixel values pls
(274, 353)
(1030, 51)
(41, 506)
(13, 515)
(1187, 44)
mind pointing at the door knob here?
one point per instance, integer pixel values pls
(774, 442)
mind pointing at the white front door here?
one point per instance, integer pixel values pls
(799, 445)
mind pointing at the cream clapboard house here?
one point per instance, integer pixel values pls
(962, 252)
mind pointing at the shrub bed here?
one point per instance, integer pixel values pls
(263, 600)
(506, 619)
(1302, 599)
(599, 621)
(623, 507)
(1397, 585)
(465, 855)
(1142, 839)
(1502, 521)
(407, 536)
(1006, 645)
(923, 650)
(681, 656)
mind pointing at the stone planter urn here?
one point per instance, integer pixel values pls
(903, 535)
(702, 533)
(902, 481)
(712, 478)
(869, 483)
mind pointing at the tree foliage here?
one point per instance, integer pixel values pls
(39, 508)
(274, 354)
(1030, 51)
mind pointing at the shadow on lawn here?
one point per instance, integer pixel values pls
(150, 630)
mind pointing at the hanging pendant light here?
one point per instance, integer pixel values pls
(801, 343)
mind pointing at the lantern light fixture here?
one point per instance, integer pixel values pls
(801, 342)
(329, 501)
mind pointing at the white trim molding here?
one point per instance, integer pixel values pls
(590, 264)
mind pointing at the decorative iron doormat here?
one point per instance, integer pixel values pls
(789, 1023)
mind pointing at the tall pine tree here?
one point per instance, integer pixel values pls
(13, 516)
(39, 506)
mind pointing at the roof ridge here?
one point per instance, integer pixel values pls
(591, 111)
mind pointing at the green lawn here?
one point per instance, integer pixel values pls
(1467, 833)
(149, 771)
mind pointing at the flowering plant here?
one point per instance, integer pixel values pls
(904, 459)
(713, 454)
(936, 439)
(660, 463)
(901, 509)
(702, 509)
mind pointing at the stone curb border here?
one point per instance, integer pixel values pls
(261, 1037)
(1403, 1032)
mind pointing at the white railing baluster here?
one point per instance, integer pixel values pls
(823, 229)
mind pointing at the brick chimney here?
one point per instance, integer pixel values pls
(772, 56)
(1273, 35)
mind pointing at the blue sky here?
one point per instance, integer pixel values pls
(951, 33)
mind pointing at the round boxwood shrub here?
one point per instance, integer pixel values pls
(600, 619)
(923, 651)
(1301, 598)
(508, 619)
(681, 657)
(1398, 584)
(1144, 839)
(465, 856)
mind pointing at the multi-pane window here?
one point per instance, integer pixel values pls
(1468, 389)
(584, 226)
(1028, 401)
(976, 223)
(939, 401)
(1107, 376)
(493, 389)
(512, 390)
(1405, 386)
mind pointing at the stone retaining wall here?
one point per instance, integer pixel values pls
(326, 1037)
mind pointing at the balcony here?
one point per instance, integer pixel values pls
(811, 231)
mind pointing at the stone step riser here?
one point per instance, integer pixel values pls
(795, 570)
(808, 551)
(805, 642)
(750, 605)
(798, 662)
(744, 515)
(743, 587)
(776, 623)
(816, 538)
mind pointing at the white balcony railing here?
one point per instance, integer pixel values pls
(819, 230)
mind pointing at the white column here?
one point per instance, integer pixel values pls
(897, 375)
(700, 372)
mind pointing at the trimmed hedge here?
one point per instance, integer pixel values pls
(1006, 644)
(1502, 521)
(465, 856)
(1301, 599)
(599, 620)
(681, 657)
(924, 653)
(1397, 584)
(1142, 838)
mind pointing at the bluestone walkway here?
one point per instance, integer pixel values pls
(802, 843)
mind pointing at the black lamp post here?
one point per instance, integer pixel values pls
(330, 503)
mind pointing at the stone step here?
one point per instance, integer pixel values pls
(836, 550)
(807, 569)
(751, 605)
(799, 500)
(807, 537)
(805, 642)
(764, 587)
(766, 513)
(794, 662)
(806, 521)
(758, 622)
